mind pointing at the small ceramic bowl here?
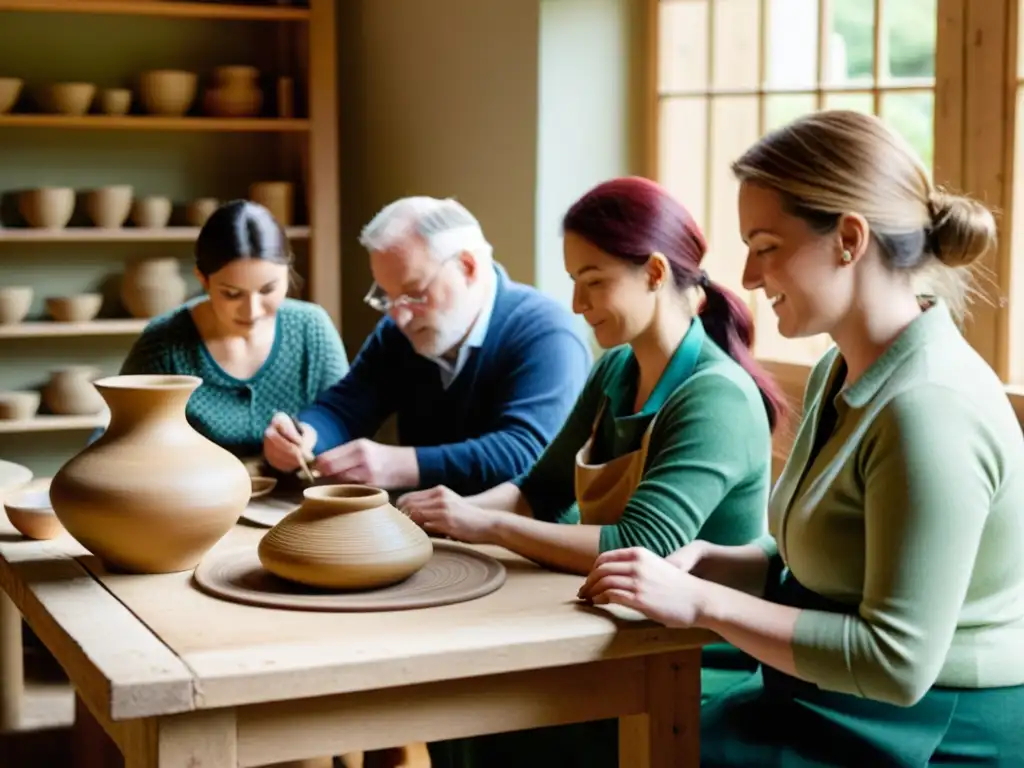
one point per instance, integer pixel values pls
(15, 302)
(31, 514)
(79, 308)
(261, 486)
(10, 90)
(19, 404)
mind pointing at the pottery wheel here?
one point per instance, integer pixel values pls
(453, 575)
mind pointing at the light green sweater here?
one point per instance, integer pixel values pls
(708, 468)
(913, 513)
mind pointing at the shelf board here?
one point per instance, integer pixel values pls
(47, 423)
(157, 123)
(181, 10)
(48, 328)
(125, 235)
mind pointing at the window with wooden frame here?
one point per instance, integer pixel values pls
(943, 73)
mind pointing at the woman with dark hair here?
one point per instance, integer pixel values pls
(670, 440)
(257, 351)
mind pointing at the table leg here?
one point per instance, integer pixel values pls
(206, 738)
(668, 734)
(12, 665)
(91, 746)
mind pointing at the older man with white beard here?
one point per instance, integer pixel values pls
(480, 370)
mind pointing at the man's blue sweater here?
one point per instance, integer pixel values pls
(495, 418)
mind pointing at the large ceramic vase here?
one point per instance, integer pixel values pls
(151, 495)
(345, 537)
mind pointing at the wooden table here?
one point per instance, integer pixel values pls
(180, 679)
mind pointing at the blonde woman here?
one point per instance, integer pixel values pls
(887, 603)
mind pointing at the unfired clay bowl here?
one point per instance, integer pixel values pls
(10, 90)
(67, 98)
(152, 212)
(70, 391)
(108, 207)
(200, 209)
(167, 92)
(115, 101)
(19, 404)
(261, 486)
(31, 514)
(47, 207)
(74, 309)
(15, 301)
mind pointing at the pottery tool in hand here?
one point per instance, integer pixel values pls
(303, 460)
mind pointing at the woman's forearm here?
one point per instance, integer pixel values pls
(507, 497)
(744, 568)
(571, 548)
(761, 628)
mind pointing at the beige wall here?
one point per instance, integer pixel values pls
(513, 106)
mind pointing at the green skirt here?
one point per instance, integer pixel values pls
(582, 745)
(773, 720)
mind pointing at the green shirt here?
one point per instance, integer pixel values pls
(913, 512)
(708, 468)
(307, 357)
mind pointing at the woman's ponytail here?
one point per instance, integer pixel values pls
(729, 323)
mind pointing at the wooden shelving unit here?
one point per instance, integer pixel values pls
(294, 39)
(49, 423)
(149, 123)
(51, 330)
(239, 12)
(125, 235)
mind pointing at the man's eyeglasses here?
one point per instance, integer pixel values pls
(377, 298)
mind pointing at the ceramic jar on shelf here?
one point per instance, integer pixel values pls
(70, 391)
(235, 93)
(152, 286)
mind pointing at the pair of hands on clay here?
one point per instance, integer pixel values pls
(357, 461)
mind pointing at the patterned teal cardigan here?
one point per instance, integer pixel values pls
(307, 358)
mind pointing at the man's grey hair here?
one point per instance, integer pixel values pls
(446, 226)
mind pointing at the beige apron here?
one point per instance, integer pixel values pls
(603, 490)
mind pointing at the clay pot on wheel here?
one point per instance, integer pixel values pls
(151, 495)
(152, 287)
(345, 537)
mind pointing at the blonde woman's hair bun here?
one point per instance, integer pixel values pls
(963, 230)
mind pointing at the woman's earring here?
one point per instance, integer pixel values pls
(847, 257)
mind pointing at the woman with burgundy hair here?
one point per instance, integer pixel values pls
(670, 440)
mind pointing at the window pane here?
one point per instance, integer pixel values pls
(791, 56)
(683, 152)
(909, 38)
(858, 102)
(733, 130)
(683, 45)
(779, 110)
(736, 45)
(1016, 295)
(911, 113)
(851, 42)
